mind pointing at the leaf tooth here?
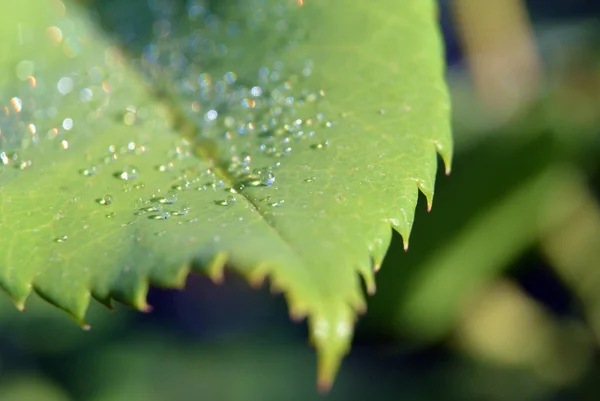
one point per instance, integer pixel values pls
(140, 298)
(75, 302)
(134, 293)
(379, 246)
(277, 285)
(140, 294)
(445, 153)
(369, 279)
(298, 310)
(426, 187)
(257, 276)
(331, 334)
(18, 294)
(216, 268)
(180, 279)
(403, 223)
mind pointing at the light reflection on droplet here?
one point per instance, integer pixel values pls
(85, 95)
(55, 34)
(67, 123)
(16, 104)
(211, 115)
(65, 85)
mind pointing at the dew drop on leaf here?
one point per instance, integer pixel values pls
(171, 197)
(128, 173)
(267, 178)
(182, 211)
(62, 238)
(90, 171)
(226, 202)
(106, 200)
(110, 215)
(156, 205)
(162, 216)
(320, 145)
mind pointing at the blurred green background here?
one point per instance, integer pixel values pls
(497, 298)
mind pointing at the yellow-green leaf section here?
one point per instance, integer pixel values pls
(281, 139)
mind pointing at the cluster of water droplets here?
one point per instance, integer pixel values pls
(256, 115)
(55, 95)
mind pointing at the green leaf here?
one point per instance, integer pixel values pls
(109, 185)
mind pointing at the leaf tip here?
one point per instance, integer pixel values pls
(331, 334)
(324, 384)
(328, 366)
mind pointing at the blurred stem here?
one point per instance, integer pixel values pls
(573, 249)
(504, 326)
(499, 48)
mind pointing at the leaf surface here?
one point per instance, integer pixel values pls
(279, 140)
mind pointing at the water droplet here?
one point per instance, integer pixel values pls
(171, 197)
(253, 181)
(110, 215)
(106, 200)
(320, 145)
(67, 123)
(24, 164)
(156, 205)
(310, 179)
(277, 204)
(88, 172)
(267, 178)
(17, 104)
(85, 95)
(183, 211)
(128, 173)
(226, 202)
(65, 85)
(382, 111)
(62, 238)
(162, 216)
